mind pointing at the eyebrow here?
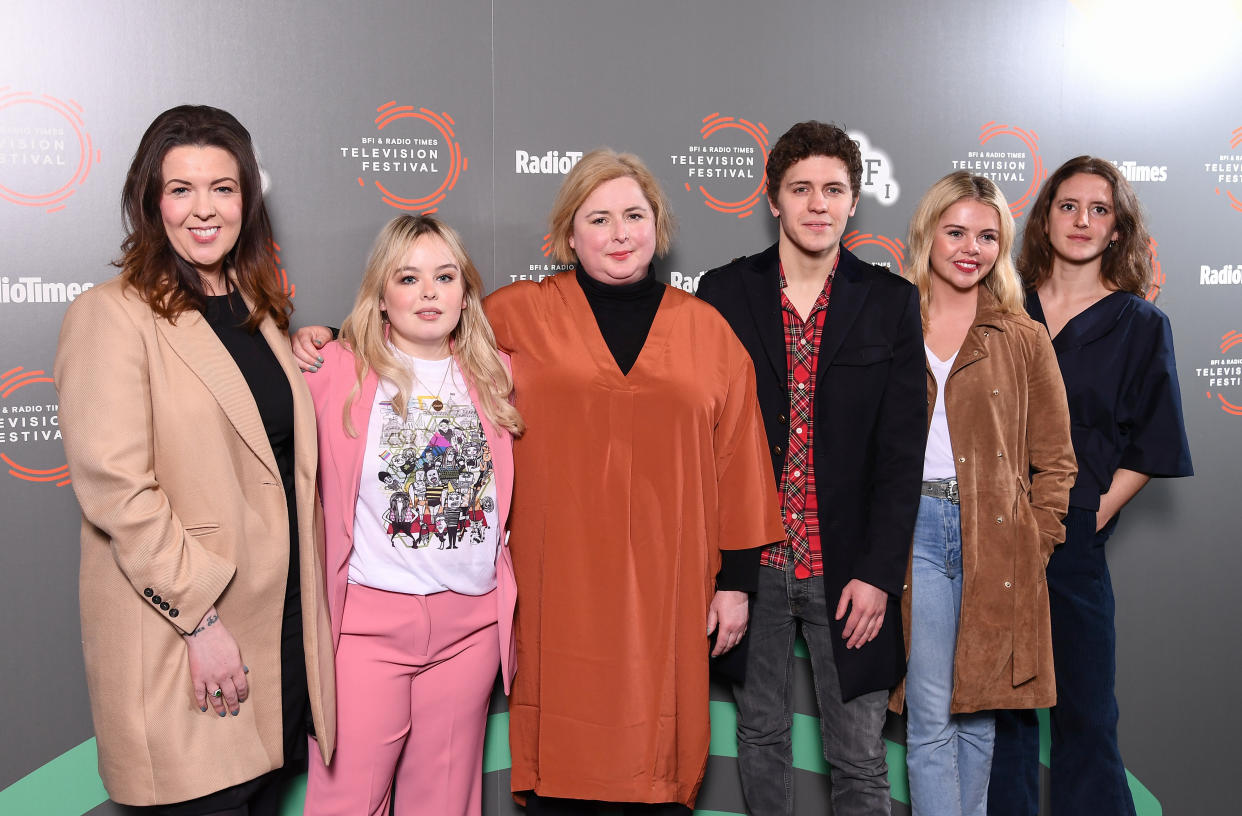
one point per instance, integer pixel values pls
(401, 269)
(631, 208)
(190, 183)
(965, 229)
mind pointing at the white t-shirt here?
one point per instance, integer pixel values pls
(426, 515)
(938, 458)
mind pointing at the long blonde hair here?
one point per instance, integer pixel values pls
(1003, 281)
(473, 344)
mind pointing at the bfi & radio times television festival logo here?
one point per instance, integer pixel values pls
(1009, 156)
(46, 152)
(877, 249)
(30, 442)
(413, 160)
(1222, 376)
(1225, 171)
(726, 166)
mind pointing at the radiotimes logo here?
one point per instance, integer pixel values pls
(1010, 157)
(550, 162)
(726, 167)
(30, 445)
(46, 152)
(1226, 172)
(1135, 172)
(877, 249)
(32, 289)
(414, 160)
(538, 270)
(1224, 374)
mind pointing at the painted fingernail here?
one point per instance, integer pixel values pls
(246, 669)
(320, 358)
(203, 709)
(221, 713)
(235, 713)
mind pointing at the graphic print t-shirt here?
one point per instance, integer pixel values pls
(426, 515)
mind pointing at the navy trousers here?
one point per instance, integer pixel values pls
(1088, 775)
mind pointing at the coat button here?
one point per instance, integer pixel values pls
(905, 587)
(996, 392)
(1000, 520)
(976, 352)
(985, 334)
(165, 606)
(155, 599)
(782, 419)
(1008, 585)
(148, 592)
(961, 458)
(174, 612)
(778, 450)
(1000, 454)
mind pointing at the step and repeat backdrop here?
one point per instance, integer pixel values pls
(475, 110)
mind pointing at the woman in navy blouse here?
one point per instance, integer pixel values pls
(1086, 263)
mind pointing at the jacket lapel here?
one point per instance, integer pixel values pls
(763, 295)
(849, 292)
(196, 344)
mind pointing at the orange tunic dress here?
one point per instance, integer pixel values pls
(627, 488)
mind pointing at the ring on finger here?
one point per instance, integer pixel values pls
(218, 693)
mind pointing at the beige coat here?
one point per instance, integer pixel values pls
(1007, 416)
(181, 497)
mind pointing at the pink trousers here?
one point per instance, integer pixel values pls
(414, 674)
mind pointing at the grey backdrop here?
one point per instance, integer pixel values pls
(694, 87)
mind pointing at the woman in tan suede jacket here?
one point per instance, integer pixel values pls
(997, 472)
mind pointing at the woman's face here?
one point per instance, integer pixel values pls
(201, 206)
(614, 232)
(424, 298)
(1082, 220)
(965, 246)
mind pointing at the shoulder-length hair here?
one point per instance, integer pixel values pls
(163, 279)
(473, 344)
(601, 165)
(1003, 281)
(1126, 264)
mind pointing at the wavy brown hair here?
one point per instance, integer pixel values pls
(163, 279)
(812, 138)
(1126, 264)
(473, 344)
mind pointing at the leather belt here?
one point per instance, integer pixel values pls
(942, 489)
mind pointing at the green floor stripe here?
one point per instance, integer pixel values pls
(1045, 737)
(496, 756)
(67, 786)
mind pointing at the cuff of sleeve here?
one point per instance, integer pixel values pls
(739, 570)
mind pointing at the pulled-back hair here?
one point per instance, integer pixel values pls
(148, 262)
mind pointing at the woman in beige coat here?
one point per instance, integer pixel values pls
(191, 442)
(997, 472)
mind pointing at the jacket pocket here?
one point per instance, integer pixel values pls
(201, 530)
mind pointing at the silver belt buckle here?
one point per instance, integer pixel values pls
(950, 492)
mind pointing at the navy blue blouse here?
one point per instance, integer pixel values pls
(1125, 406)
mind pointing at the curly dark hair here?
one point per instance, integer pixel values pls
(1126, 264)
(148, 263)
(813, 138)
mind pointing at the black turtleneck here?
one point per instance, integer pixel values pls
(624, 313)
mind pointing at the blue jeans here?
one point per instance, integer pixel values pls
(948, 756)
(851, 731)
(1087, 774)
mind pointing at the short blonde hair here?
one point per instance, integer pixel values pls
(472, 341)
(1003, 280)
(601, 165)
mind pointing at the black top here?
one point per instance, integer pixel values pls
(624, 313)
(1125, 406)
(227, 315)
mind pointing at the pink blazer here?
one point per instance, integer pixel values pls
(340, 468)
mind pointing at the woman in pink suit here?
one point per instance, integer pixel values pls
(420, 621)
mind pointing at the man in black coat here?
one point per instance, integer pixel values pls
(838, 352)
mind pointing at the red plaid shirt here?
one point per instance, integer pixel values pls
(799, 501)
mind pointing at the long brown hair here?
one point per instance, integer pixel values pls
(1126, 264)
(473, 343)
(163, 279)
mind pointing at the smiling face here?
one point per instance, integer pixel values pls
(614, 232)
(201, 207)
(814, 203)
(423, 299)
(965, 246)
(1081, 219)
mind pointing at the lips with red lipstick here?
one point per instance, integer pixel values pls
(966, 266)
